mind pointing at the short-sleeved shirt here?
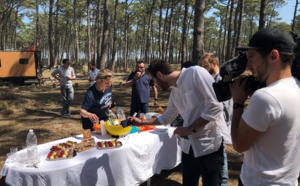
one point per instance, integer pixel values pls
(93, 75)
(96, 102)
(63, 72)
(140, 88)
(274, 159)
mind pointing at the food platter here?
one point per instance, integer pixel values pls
(62, 151)
(61, 155)
(110, 144)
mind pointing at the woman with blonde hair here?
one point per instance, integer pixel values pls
(98, 99)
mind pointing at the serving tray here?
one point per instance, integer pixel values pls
(111, 144)
(61, 155)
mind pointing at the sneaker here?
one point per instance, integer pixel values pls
(61, 114)
(68, 114)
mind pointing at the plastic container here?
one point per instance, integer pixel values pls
(103, 129)
(111, 117)
(32, 148)
(121, 114)
(111, 114)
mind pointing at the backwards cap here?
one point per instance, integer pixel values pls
(271, 38)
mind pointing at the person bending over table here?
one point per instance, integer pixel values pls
(98, 99)
(201, 136)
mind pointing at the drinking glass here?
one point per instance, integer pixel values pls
(21, 157)
(13, 151)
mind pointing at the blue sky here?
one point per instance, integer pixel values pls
(287, 12)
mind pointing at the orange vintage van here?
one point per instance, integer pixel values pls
(18, 66)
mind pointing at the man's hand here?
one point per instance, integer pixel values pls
(238, 90)
(156, 103)
(93, 117)
(135, 121)
(182, 131)
(137, 75)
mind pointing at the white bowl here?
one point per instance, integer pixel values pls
(161, 128)
(151, 114)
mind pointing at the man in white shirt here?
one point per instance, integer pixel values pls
(268, 131)
(65, 74)
(210, 62)
(93, 72)
(192, 97)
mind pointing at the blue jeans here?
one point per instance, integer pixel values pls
(138, 108)
(207, 166)
(67, 92)
(224, 170)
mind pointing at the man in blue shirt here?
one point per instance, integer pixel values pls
(140, 83)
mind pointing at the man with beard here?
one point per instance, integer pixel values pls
(140, 83)
(200, 137)
(210, 62)
(93, 72)
(268, 131)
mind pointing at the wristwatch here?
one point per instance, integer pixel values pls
(192, 128)
(237, 105)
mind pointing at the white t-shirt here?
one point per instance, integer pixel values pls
(93, 75)
(274, 159)
(63, 73)
(191, 98)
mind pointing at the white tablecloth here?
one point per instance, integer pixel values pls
(141, 156)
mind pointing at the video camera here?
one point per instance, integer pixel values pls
(234, 67)
(229, 71)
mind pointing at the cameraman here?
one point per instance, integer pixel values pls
(210, 62)
(268, 131)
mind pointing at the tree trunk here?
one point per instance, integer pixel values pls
(98, 27)
(227, 56)
(37, 24)
(235, 31)
(262, 14)
(77, 48)
(225, 31)
(148, 41)
(184, 32)
(295, 13)
(198, 44)
(51, 49)
(126, 35)
(105, 35)
(240, 25)
(160, 48)
(114, 42)
(56, 32)
(169, 57)
(89, 30)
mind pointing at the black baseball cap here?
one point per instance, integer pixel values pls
(271, 38)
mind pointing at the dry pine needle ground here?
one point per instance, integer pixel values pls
(37, 107)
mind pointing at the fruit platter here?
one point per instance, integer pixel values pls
(108, 144)
(62, 151)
